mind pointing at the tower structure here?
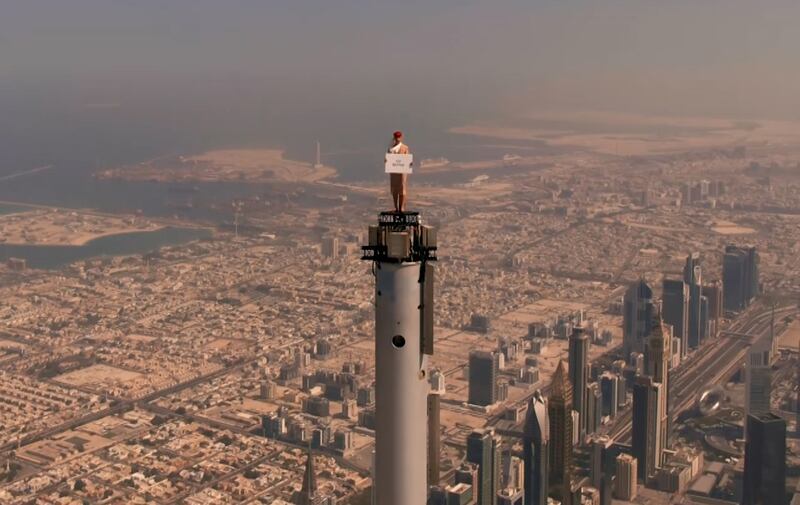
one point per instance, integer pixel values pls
(318, 160)
(401, 249)
(646, 426)
(579, 376)
(536, 441)
(657, 358)
(675, 310)
(308, 493)
(693, 276)
(758, 376)
(638, 311)
(625, 485)
(559, 411)
(483, 369)
(482, 450)
(765, 460)
(740, 279)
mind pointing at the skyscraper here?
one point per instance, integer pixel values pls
(740, 279)
(758, 376)
(536, 441)
(692, 261)
(308, 492)
(600, 459)
(483, 369)
(765, 460)
(675, 310)
(625, 484)
(609, 389)
(693, 277)
(713, 292)
(467, 473)
(657, 366)
(559, 411)
(579, 375)
(638, 309)
(482, 451)
(646, 426)
(594, 407)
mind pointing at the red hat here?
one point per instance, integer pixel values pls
(398, 134)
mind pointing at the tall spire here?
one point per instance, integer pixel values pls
(308, 492)
(537, 424)
(561, 386)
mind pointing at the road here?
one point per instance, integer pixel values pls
(713, 363)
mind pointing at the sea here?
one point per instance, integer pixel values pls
(95, 140)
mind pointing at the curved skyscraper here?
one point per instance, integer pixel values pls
(536, 448)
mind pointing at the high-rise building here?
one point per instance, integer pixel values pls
(579, 376)
(609, 390)
(713, 292)
(536, 441)
(626, 480)
(510, 496)
(637, 312)
(758, 377)
(594, 407)
(482, 450)
(467, 473)
(330, 247)
(559, 411)
(460, 494)
(600, 459)
(765, 460)
(689, 267)
(705, 317)
(740, 278)
(308, 492)
(646, 426)
(657, 362)
(434, 438)
(675, 310)
(693, 277)
(513, 472)
(483, 370)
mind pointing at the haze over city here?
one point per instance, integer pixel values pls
(400, 253)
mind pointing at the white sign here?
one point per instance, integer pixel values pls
(399, 163)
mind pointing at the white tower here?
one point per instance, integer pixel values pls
(318, 163)
(400, 248)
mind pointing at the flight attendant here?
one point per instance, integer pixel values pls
(398, 182)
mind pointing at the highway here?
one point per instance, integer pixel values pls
(713, 363)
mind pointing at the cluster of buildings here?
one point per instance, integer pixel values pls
(216, 364)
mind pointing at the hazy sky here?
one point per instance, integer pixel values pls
(266, 63)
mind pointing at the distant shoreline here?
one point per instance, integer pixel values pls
(222, 165)
(83, 242)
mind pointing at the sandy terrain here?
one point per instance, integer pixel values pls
(627, 135)
(228, 165)
(47, 227)
(97, 375)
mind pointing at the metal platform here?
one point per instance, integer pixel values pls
(400, 237)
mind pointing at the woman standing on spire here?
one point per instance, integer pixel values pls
(398, 182)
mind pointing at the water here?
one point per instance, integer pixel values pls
(52, 257)
(10, 209)
(47, 127)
